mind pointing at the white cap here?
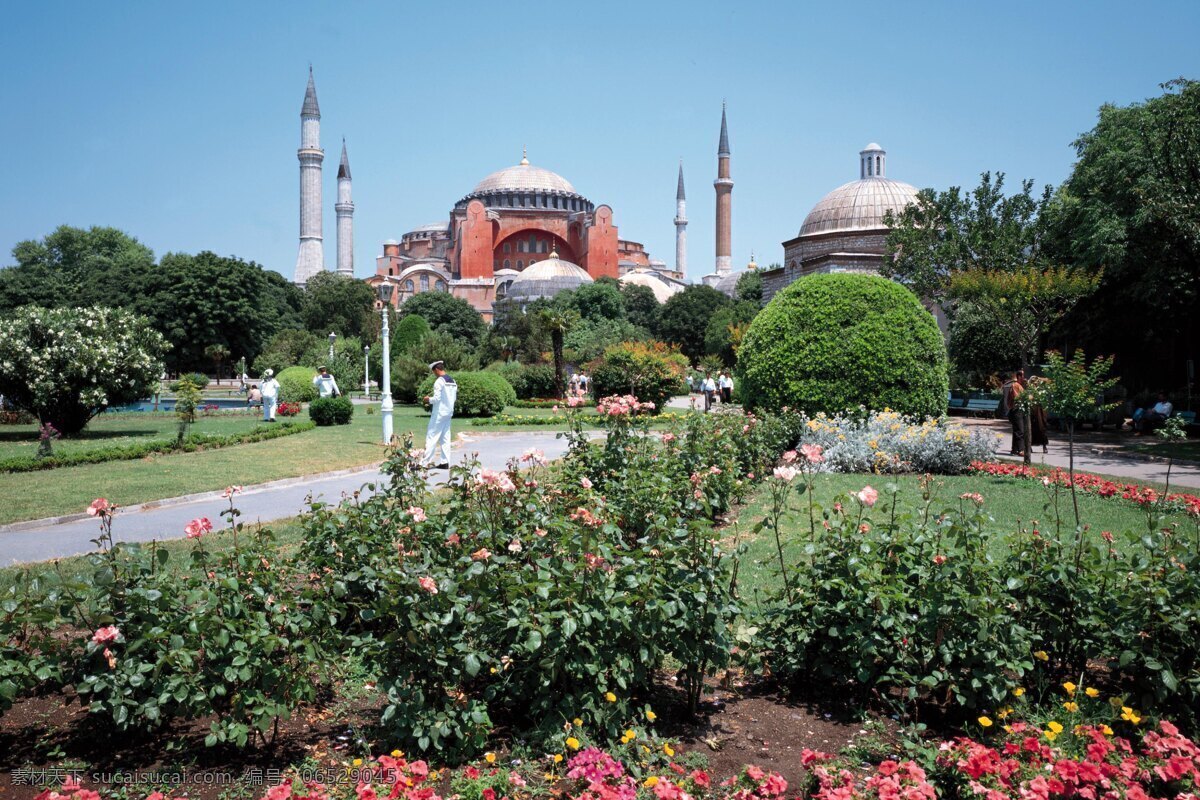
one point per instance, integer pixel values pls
(268, 373)
(436, 364)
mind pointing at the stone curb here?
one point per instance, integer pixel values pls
(167, 502)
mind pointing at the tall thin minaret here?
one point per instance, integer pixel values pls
(724, 187)
(680, 226)
(345, 217)
(311, 259)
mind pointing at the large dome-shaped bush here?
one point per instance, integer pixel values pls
(834, 342)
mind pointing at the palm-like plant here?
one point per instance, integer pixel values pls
(557, 321)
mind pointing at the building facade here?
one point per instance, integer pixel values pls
(845, 231)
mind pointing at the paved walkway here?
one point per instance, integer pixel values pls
(46, 540)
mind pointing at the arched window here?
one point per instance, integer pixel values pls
(408, 286)
(878, 162)
(532, 243)
(424, 283)
(439, 286)
(521, 246)
(495, 264)
(507, 264)
(508, 247)
(520, 264)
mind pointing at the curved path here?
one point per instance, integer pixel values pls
(43, 540)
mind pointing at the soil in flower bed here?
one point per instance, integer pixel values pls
(41, 734)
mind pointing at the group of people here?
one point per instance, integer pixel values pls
(269, 393)
(1010, 408)
(713, 389)
(578, 384)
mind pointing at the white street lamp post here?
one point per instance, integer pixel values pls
(385, 408)
(332, 338)
(366, 372)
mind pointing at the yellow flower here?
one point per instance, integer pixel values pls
(433, 775)
(1129, 715)
(492, 670)
(668, 749)
(610, 697)
(1055, 726)
(1051, 735)
(1071, 706)
(558, 758)
(572, 743)
(1017, 692)
(549, 776)
(1004, 712)
(985, 722)
(1070, 687)
(650, 782)
(1092, 691)
(490, 758)
(397, 754)
(1041, 655)
(577, 721)
(357, 762)
(650, 715)
(1107, 731)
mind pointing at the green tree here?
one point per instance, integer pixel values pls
(975, 351)
(750, 287)
(409, 331)
(641, 306)
(449, 314)
(556, 322)
(591, 337)
(1132, 208)
(412, 366)
(726, 328)
(96, 266)
(596, 301)
(286, 349)
(336, 303)
(685, 316)
(65, 365)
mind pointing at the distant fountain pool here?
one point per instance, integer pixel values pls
(168, 404)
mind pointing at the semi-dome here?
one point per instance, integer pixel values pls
(524, 177)
(861, 204)
(728, 284)
(660, 286)
(547, 278)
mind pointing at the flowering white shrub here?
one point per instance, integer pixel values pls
(65, 365)
(887, 442)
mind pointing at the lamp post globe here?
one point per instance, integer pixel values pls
(385, 407)
(332, 339)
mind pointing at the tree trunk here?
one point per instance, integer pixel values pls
(556, 339)
(1071, 467)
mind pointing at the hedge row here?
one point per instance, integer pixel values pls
(190, 443)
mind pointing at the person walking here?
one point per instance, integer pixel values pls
(441, 402)
(1010, 392)
(271, 390)
(326, 384)
(725, 384)
(709, 387)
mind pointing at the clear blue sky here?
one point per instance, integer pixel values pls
(179, 124)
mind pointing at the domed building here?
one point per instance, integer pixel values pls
(511, 220)
(844, 231)
(657, 281)
(543, 279)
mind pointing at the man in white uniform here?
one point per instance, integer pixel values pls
(270, 395)
(325, 383)
(437, 436)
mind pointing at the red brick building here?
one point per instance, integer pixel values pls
(511, 219)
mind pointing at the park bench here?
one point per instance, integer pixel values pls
(982, 407)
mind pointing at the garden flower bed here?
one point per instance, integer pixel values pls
(1091, 484)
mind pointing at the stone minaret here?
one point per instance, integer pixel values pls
(680, 226)
(724, 187)
(311, 259)
(345, 217)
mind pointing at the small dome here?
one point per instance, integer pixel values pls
(524, 177)
(390, 241)
(546, 279)
(858, 205)
(728, 284)
(662, 289)
(872, 146)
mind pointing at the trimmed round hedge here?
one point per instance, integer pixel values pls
(296, 384)
(480, 394)
(331, 411)
(529, 381)
(834, 342)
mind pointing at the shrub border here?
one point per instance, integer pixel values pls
(190, 444)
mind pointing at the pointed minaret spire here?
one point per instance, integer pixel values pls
(723, 147)
(310, 108)
(724, 188)
(345, 217)
(311, 258)
(680, 226)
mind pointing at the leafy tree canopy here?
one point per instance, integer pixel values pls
(449, 314)
(641, 306)
(684, 318)
(750, 287)
(726, 328)
(335, 303)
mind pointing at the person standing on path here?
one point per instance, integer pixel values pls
(441, 402)
(270, 395)
(709, 387)
(725, 384)
(1009, 394)
(325, 383)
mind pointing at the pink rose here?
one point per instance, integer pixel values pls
(229, 492)
(785, 474)
(867, 496)
(99, 506)
(109, 633)
(417, 513)
(515, 546)
(428, 584)
(789, 456)
(482, 554)
(585, 483)
(198, 527)
(813, 453)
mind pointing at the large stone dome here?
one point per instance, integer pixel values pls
(861, 204)
(547, 278)
(524, 177)
(660, 286)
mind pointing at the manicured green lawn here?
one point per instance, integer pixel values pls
(117, 430)
(33, 495)
(1011, 502)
